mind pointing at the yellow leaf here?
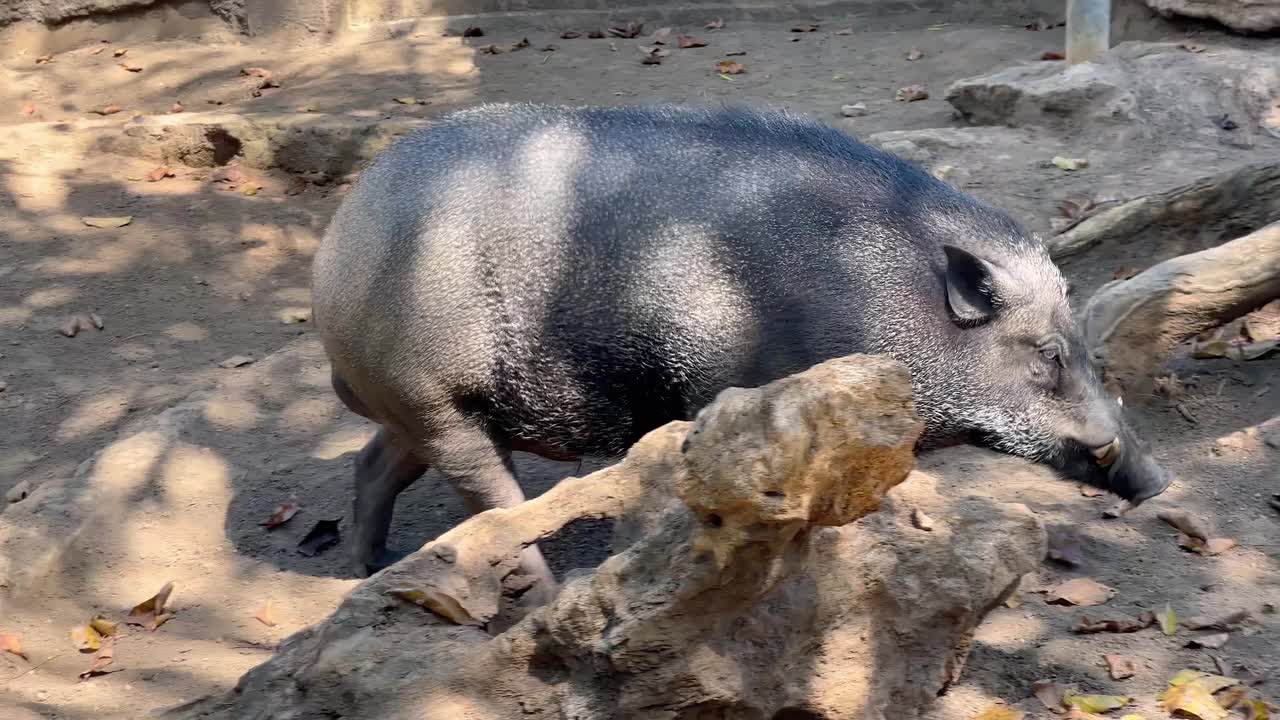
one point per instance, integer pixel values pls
(1257, 710)
(999, 712)
(1064, 163)
(11, 644)
(86, 639)
(1193, 698)
(1132, 716)
(1168, 620)
(1096, 703)
(105, 627)
(1213, 683)
(437, 602)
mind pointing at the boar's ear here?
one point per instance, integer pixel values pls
(971, 290)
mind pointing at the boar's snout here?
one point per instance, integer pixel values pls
(1111, 457)
(1135, 475)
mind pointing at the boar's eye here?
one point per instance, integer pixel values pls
(1049, 353)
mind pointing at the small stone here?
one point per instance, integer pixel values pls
(854, 110)
(71, 326)
(236, 361)
(18, 492)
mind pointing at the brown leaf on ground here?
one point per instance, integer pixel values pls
(282, 515)
(44, 59)
(1086, 625)
(1050, 694)
(107, 222)
(688, 41)
(630, 30)
(101, 660)
(1212, 546)
(266, 615)
(1185, 523)
(130, 66)
(159, 174)
(661, 35)
(150, 613)
(911, 93)
(1000, 712)
(1082, 592)
(1233, 696)
(715, 24)
(105, 627)
(1120, 667)
(1263, 324)
(1209, 642)
(729, 67)
(86, 639)
(473, 32)
(1223, 623)
(804, 28)
(1014, 602)
(107, 110)
(920, 520)
(98, 50)
(914, 54)
(231, 174)
(1052, 55)
(119, 52)
(1192, 699)
(654, 56)
(176, 107)
(12, 645)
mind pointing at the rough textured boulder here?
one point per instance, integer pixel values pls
(755, 579)
(1149, 90)
(1246, 15)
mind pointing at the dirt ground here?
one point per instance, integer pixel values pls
(205, 272)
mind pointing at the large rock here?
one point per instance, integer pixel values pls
(757, 580)
(1147, 90)
(1246, 15)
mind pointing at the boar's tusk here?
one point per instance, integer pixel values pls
(1107, 454)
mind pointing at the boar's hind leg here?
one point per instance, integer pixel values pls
(384, 468)
(479, 467)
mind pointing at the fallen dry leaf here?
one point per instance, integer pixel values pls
(150, 613)
(653, 56)
(70, 327)
(1191, 47)
(1233, 696)
(1168, 620)
(689, 41)
(1096, 703)
(1192, 699)
(1082, 592)
(472, 32)
(105, 627)
(86, 639)
(920, 520)
(119, 52)
(1263, 324)
(96, 321)
(570, 35)
(282, 515)
(1069, 164)
(804, 28)
(596, 35)
(1213, 683)
(28, 109)
(107, 110)
(12, 645)
(845, 31)
(231, 174)
(1050, 694)
(159, 174)
(521, 44)
(1223, 623)
(266, 615)
(1052, 55)
(1120, 667)
(715, 24)
(107, 222)
(176, 107)
(1086, 625)
(630, 30)
(729, 67)
(44, 59)
(437, 602)
(98, 50)
(323, 534)
(101, 660)
(1256, 710)
(911, 93)
(131, 67)
(914, 54)
(1000, 712)
(236, 361)
(1014, 602)
(1184, 523)
(661, 35)
(1209, 642)
(1212, 546)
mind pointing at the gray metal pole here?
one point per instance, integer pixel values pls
(1088, 30)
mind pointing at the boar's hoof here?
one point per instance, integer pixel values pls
(381, 560)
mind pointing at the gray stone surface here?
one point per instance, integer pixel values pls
(1246, 15)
